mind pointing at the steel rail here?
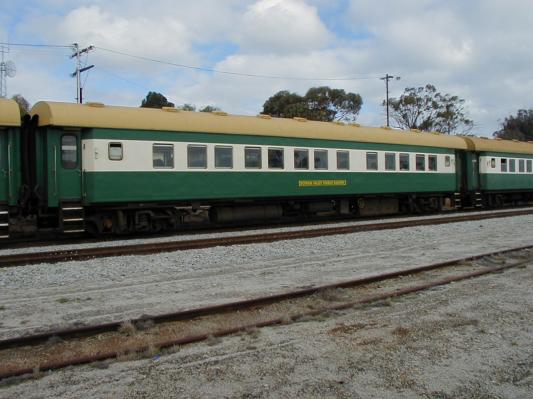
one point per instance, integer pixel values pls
(280, 320)
(150, 248)
(83, 331)
(49, 239)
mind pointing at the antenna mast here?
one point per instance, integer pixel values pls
(3, 72)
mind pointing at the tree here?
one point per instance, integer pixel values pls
(519, 127)
(23, 104)
(319, 104)
(155, 100)
(188, 107)
(424, 108)
(209, 108)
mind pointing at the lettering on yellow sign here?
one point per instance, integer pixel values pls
(321, 183)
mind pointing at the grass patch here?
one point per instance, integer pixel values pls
(127, 328)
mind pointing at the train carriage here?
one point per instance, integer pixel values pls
(10, 123)
(505, 171)
(125, 169)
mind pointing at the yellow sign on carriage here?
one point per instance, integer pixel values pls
(322, 183)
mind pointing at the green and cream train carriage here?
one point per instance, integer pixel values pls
(9, 161)
(505, 170)
(119, 169)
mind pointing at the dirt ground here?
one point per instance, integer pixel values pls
(471, 339)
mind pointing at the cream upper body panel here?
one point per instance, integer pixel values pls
(9, 113)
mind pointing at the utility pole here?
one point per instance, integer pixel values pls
(386, 79)
(79, 69)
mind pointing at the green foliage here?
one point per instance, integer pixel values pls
(519, 127)
(155, 100)
(191, 107)
(209, 108)
(424, 108)
(188, 107)
(319, 104)
(23, 104)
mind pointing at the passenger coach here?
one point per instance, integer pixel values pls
(9, 161)
(136, 169)
(73, 168)
(501, 170)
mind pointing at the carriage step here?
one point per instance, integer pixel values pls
(478, 200)
(72, 218)
(457, 200)
(4, 222)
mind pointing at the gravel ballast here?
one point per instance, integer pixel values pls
(40, 297)
(466, 340)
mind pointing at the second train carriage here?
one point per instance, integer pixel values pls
(501, 171)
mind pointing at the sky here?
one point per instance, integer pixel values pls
(478, 50)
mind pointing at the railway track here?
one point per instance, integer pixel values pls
(158, 247)
(61, 348)
(82, 238)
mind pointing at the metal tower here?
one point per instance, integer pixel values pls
(7, 70)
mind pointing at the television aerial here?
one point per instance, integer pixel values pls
(11, 69)
(7, 70)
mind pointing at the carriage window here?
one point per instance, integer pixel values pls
(493, 163)
(69, 151)
(529, 166)
(321, 159)
(163, 156)
(343, 160)
(432, 162)
(404, 161)
(301, 159)
(390, 161)
(512, 165)
(447, 161)
(504, 165)
(521, 165)
(420, 162)
(371, 161)
(223, 157)
(275, 158)
(115, 151)
(197, 156)
(252, 157)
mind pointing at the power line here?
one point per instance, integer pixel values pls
(35, 45)
(197, 68)
(249, 75)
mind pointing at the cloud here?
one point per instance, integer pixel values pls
(478, 50)
(158, 37)
(280, 27)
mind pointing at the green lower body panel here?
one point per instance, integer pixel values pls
(499, 182)
(111, 187)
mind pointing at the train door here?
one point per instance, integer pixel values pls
(64, 156)
(460, 171)
(472, 170)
